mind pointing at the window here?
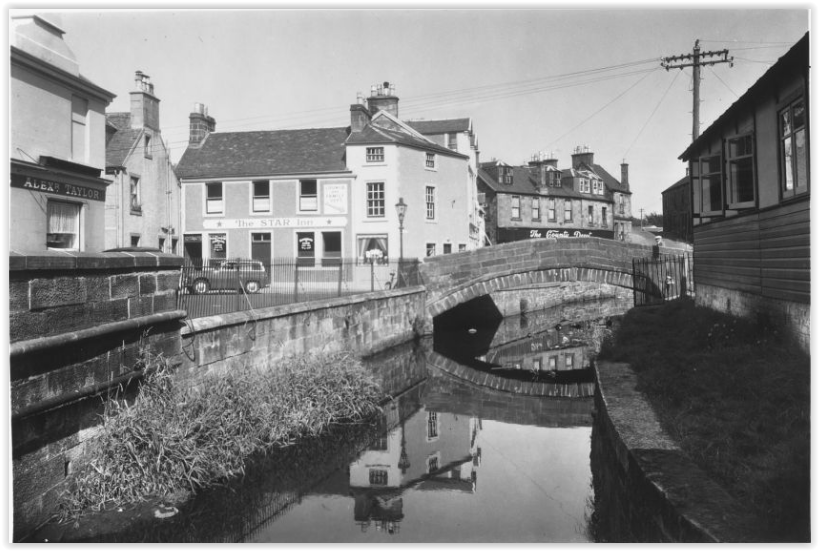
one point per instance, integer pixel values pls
(506, 175)
(537, 364)
(332, 248)
(214, 202)
(261, 196)
(515, 207)
(308, 195)
(536, 208)
(452, 141)
(430, 160)
(710, 185)
(447, 248)
(430, 200)
(461, 247)
(740, 157)
(161, 244)
(603, 221)
(378, 477)
(432, 464)
(550, 210)
(218, 245)
(552, 363)
(63, 225)
(591, 215)
(375, 154)
(79, 129)
(147, 146)
(375, 199)
(432, 424)
(136, 195)
(305, 249)
(135, 240)
(567, 210)
(430, 249)
(370, 242)
(793, 149)
(620, 204)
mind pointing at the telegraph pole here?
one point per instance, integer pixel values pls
(697, 60)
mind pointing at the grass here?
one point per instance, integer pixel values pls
(735, 394)
(172, 440)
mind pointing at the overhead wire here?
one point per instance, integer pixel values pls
(651, 115)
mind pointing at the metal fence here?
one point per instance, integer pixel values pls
(221, 286)
(662, 278)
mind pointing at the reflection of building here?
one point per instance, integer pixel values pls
(142, 205)
(57, 143)
(428, 451)
(540, 200)
(750, 180)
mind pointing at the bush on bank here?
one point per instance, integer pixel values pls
(172, 440)
(735, 395)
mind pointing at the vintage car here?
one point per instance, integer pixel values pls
(233, 274)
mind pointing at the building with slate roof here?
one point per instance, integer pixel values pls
(323, 194)
(57, 148)
(541, 200)
(142, 207)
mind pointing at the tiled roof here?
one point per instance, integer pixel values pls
(440, 126)
(120, 120)
(120, 146)
(372, 134)
(266, 153)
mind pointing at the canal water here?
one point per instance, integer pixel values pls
(451, 459)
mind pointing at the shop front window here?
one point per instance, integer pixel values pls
(63, 225)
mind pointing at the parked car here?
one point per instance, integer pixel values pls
(227, 275)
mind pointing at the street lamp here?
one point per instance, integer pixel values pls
(401, 209)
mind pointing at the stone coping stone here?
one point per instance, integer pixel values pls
(698, 500)
(73, 260)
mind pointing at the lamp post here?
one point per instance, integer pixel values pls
(401, 209)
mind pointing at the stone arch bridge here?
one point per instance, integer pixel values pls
(454, 279)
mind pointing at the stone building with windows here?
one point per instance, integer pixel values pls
(540, 200)
(142, 204)
(322, 194)
(57, 143)
(750, 201)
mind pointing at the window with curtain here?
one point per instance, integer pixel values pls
(370, 242)
(136, 195)
(63, 225)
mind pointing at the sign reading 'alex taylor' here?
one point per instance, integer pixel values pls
(57, 188)
(258, 223)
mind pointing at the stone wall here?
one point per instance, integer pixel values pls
(792, 318)
(79, 325)
(543, 296)
(363, 324)
(646, 489)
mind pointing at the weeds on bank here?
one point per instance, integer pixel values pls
(172, 440)
(735, 394)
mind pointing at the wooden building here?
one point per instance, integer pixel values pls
(750, 176)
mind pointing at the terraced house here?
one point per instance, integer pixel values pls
(322, 194)
(542, 201)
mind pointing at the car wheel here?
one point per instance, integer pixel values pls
(252, 287)
(201, 286)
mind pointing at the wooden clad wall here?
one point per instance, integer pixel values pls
(765, 253)
(784, 246)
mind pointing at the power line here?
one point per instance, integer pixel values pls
(713, 72)
(651, 115)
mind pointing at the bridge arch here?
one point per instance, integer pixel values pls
(454, 279)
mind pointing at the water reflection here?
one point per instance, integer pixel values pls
(413, 475)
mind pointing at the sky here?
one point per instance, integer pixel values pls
(533, 79)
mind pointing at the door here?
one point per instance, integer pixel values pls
(261, 248)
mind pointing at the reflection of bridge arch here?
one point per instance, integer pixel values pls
(453, 279)
(464, 391)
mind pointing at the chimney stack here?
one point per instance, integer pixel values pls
(582, 155)
(359, 116)
(382, 97)
(201, 125)
(144, 104)
(624, 174)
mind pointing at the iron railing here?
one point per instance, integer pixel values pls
(222, 286)
(662, 278)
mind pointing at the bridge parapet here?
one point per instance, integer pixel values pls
(453, 279)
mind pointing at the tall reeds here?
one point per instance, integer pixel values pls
(172, 440)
